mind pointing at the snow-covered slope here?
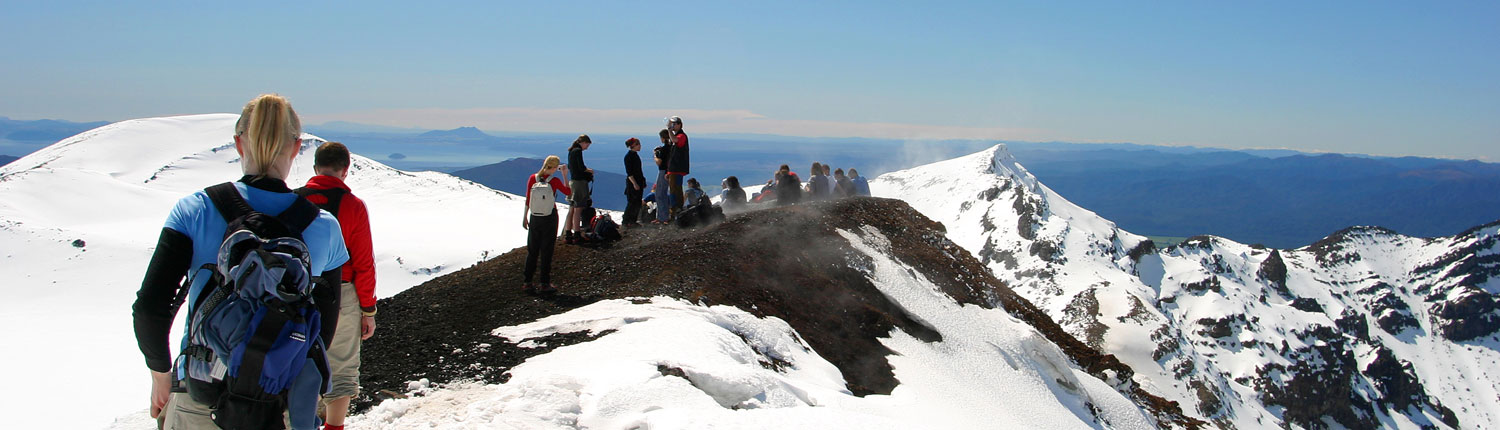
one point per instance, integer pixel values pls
(78, 221)
(1365, 328)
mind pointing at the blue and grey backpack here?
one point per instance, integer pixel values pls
(254, 329)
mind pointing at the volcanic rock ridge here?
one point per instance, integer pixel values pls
(789, 262)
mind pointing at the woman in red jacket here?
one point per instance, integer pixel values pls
(541, 221)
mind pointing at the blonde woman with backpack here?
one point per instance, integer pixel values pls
(541, 222)
(267, 137)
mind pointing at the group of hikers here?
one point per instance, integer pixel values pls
(669, 202)
(281, 282)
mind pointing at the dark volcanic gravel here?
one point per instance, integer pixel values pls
(786, 262)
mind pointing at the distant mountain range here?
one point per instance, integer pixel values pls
(21, 137)
(47, 131)
(510, 176)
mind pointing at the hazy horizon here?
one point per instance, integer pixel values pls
(8, 147)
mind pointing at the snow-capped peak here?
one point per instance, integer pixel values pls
(1341, 332)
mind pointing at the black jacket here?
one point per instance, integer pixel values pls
(679, 163)
(576, 169)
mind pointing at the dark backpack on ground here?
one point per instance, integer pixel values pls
(254, 328)
(602, 228)
(701, 213)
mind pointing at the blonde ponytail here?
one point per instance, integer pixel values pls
(552, 161)
(267, 126)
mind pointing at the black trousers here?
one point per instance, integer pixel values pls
(541, 238)
(632, 206)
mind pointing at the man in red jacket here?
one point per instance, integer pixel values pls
(677, 167)
(328, 191)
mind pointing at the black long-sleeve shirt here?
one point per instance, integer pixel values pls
(633, 170)
(663, 156)
(576, 168)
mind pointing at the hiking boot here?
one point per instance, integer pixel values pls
(546, 288)
(569, 239)
(528, 288)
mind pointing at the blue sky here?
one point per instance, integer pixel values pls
(1384, 78)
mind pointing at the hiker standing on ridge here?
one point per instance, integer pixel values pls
(357, 291)
(677, 167)
(635, 184)
(540, 222)
(267, 137)
(663, 155)
(581, 197)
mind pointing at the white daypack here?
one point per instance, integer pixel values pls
(542, 198)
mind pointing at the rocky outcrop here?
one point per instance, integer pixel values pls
(1400, 389)
(1468, 313)
(1320, 382)
(1273, 271)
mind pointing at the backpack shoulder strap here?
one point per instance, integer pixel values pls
(231, 205)
(299, 215)
(228, 200)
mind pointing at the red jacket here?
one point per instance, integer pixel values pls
(354, 220)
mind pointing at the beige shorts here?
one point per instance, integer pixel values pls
(343, 350)
(183, 413)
